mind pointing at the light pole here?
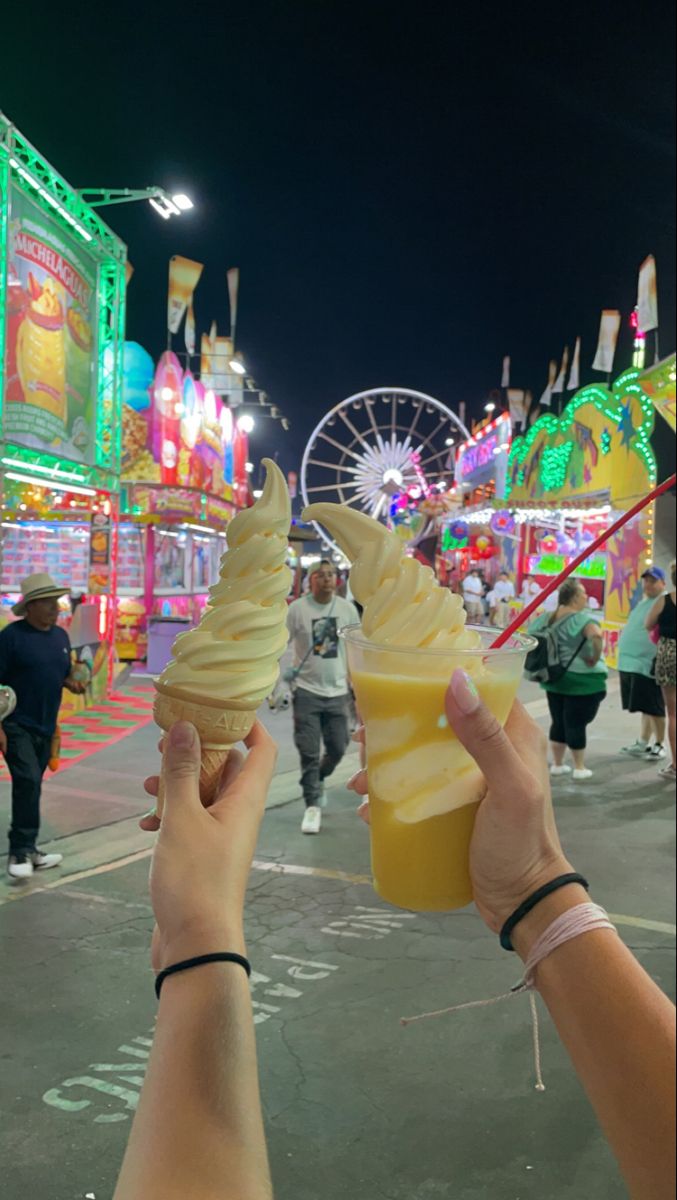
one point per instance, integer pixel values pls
(167, 206)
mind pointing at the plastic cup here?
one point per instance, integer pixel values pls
(424, 788)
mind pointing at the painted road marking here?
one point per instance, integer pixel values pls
(642, 923)
(123, 1096)
(277, 869)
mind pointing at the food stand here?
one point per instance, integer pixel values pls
(183, 479)
(62, 300)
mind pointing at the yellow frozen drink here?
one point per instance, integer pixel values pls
(424, 788)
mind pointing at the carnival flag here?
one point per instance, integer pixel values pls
(233, 288)
(546, 398)
(505, 377)
(189, 330)
(184, 276)
(558, 385)
(528, 406)
(516, 407)
(129, 271)
(609, 326)
(575, 372)
(647, 296)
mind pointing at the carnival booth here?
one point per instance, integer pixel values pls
(62, 280)
(479, 482)
(567, 479)
(184, 475)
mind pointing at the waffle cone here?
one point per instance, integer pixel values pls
(219, 728)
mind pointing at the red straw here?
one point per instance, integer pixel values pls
(559, 580)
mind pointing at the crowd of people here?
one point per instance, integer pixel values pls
(646, 662)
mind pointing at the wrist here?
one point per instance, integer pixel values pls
(535, 923)
(209, 939)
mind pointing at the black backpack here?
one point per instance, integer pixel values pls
(543, 664)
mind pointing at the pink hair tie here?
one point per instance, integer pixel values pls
(583, 918)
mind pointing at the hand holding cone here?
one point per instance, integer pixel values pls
(228, 664)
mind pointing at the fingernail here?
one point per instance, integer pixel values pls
(464, 692)
(182, 735)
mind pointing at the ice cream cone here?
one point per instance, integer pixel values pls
(223, 669)
(219, 728)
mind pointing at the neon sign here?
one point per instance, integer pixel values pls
(476, 456)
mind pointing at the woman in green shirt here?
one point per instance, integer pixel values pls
(574, 699)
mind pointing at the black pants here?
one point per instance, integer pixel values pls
(27, 757)
(319, 719)
(570, 717)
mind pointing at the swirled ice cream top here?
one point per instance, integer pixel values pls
(403, 603)
(233, 653)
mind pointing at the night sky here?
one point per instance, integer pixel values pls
(409, 193)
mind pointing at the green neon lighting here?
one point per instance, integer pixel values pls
(607, 402)
(554, 466)
(554, 564)
(32, 172)
(22, 167)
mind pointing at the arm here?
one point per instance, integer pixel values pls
(617, 1026)
(76, 686)
(615, 1023)
(654, 613)
(593, 633)
(619, 1031)
(198, 1133)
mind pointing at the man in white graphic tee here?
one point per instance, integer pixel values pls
(321, 696)
(473, 595)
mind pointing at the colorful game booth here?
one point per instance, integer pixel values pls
(184, 475)
(567, 477)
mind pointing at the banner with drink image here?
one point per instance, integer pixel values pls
(50, 351)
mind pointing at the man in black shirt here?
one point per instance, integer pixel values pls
(35, 660)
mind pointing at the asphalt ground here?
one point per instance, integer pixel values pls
(356, 1106)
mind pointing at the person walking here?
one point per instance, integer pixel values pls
(321, 694)
(575, 697)
(499, 599)
(636, 663)
(530, 589)
(473, 596)
(663, 618)
(35, 661)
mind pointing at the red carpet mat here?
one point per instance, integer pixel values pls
(101, 725)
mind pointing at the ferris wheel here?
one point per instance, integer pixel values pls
(378, 445)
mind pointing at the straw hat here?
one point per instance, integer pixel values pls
(37, 587)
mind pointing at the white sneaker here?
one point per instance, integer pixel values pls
(43, 862)
(668, 772)
(638, 749)
(20, 866)
(312, 820)
(655, 752)
(564, 769)
(582, 773)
